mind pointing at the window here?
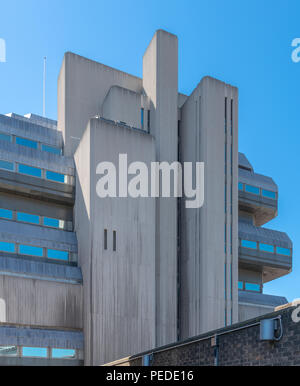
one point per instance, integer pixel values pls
(266, 248)
(26, 142)
(241, 186)
(240, 285)
(31, 251)
(7, 214)
(57, 177)
(34, 352)
(249, 244)
(114, 241)
(51, 149)
(30, 218)
(57, 255)
(53, 223)
(269, 194)
(7, 247)
(283, 251)
(105, 239)
(252, 287)
(148, 121)
(142, 118)
(5, 137)
(8, 351)
(7, 165)
(59, 353)
(251, 189)
(30, 170)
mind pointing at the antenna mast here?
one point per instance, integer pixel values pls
(44, 88)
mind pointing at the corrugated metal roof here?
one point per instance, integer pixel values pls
(39, 270)
(38, 236)
(268, 236)
(261, 299)
(34, 337)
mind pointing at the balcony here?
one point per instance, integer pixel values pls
(258, 194)
(264, 250)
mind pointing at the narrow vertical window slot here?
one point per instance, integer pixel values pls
(105, 239)
(114, 241)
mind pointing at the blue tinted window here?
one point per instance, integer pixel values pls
(251, 189)
(249, 244)
(269, 194)
(31, 218)
(51, 222)
(51, 149)
(35, 352)
(7, 247)
(8, 214)
(8, 351)
(63, 353)
(142, 118)
(5, 137)
(241, 186)
(30, 170)
(57, 255)
(252, 287)
(55, 176)
(6, 165)
(240, 285)
(31, 251)
(283, 251)
(26, 142)
(266, 248)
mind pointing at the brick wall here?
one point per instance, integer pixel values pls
(236, 348)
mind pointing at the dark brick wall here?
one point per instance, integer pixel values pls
(236, 348)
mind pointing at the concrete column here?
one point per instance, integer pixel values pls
(160, 83)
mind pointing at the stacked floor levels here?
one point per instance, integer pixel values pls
(84, 277)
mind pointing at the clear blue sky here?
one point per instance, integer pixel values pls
(244, 42)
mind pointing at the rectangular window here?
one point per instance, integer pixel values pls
(7, 165)
(114, 241)
(57, 177)
(240, 285)
(8, 351)
(269, 194)
(59, 353)
(57, 255)
(51, 149)
(5, 137)
(30, 250)
(30, 218)
(34, 352)
(30, 170)
(252, 189)
(105, 239)
(241, 186)
(266, 248)
(53, 223)
(249, 244)
(26, 142)
(252, 287)
(283, 251)
(7, 247)
(148, 121)
(142, 118)
(7, 214)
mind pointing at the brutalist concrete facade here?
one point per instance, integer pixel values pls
(129, 274)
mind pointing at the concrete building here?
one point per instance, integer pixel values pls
(90, 280)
